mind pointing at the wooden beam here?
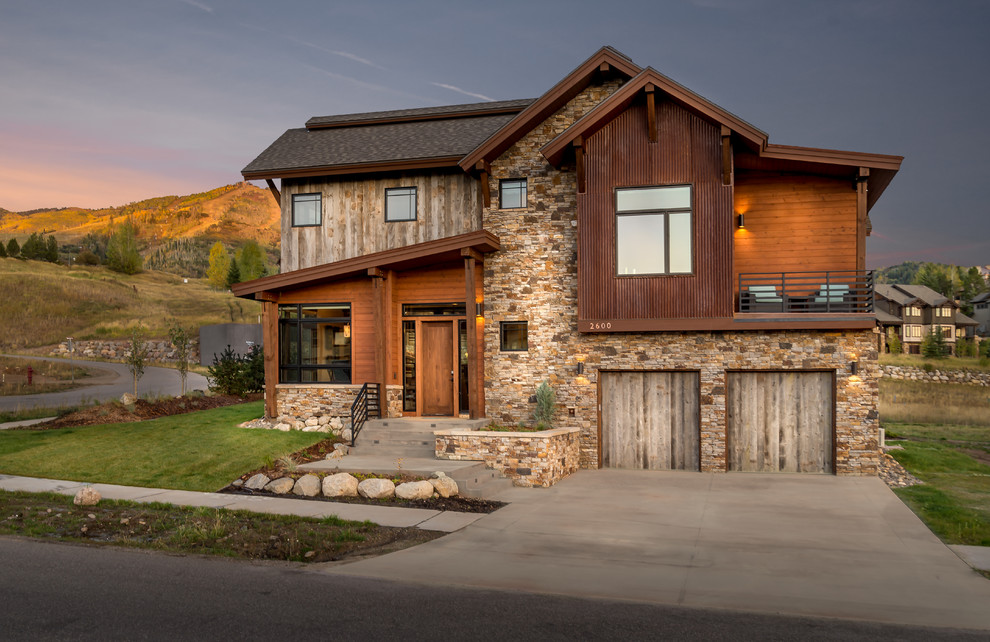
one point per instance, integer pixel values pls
(473, 253)
(651, 112)
(579, 162)
(862, 191)
(474, 380)
(266, 296)
(484, 169)
(382, 300)
(726, 156)
(269, 337)
(376, 273)
(604, 68)
(275, 192)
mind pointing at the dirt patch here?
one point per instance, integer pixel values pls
(113, 412)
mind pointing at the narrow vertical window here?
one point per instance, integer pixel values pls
(306, 210)
(400, 204)
(512, 193)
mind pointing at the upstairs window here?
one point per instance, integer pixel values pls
(307, 210)
(400, 204)
(912, 311)
(653, 230)
(512, 193)
(944, 312)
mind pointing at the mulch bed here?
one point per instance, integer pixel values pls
(113, 412)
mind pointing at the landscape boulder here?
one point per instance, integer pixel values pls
(128, 399)
(87, 496)
(257, 482)
(280, 486)
(376, 488)
(307, 486)
(445, 486)
(340, 485)
(414, 490)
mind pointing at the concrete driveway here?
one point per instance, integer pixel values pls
(792, 544)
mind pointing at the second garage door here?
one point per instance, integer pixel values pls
(780, 421)
(650, 420)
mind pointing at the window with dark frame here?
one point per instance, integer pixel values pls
(314, 343)
(400, 204)
(653, 230)
(512, 193)
(307, 210)
(514, 336)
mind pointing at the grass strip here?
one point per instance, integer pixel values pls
(211, 531)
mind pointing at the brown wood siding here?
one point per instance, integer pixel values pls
(359, 293)
(688, 151)
(448, 204)
(794, 224)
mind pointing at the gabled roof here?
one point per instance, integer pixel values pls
(963, 320)
(924, 294)
(403, 139)
(551, 101)
(980, 298)
(891, 293)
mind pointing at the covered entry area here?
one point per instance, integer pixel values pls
(780, 421)
(649, 420)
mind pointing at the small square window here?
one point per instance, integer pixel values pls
(514, 336)
(400, 204)
(306, 210)
(512, 193)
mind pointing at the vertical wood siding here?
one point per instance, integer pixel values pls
(779, 422)
(448, 203)
(794, 223)
(650, 420)
(688, 151)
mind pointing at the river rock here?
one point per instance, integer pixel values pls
(280, 486)
(87, 496)
(445, 486)
(257, 482)
(376, 488)
(307, 486)
(340, 485)
(414, 490)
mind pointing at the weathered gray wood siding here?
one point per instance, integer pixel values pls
(448, 204)
(650, 420)
(780, 421)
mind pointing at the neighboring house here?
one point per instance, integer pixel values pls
(696, 295)
(914, 311)
(981, 313)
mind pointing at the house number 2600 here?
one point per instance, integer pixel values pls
(605, 325)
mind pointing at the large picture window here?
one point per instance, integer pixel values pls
(314, 343)
(653, 230)
(306, 210)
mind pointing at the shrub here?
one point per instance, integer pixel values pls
(87, 257)
(231, 374)
(894, 345)
(546, 405)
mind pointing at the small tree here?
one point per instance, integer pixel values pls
(137, 358)
(233, 274)
(546, 406)
(3, 251)
(51, 250)
(251, 261)
(181, 341)
(13, 248)
(894, 345)
(933, 346)
(122, 253)
(219, 265)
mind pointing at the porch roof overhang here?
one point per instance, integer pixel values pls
(885, 318)
(402, 258)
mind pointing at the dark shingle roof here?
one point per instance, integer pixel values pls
(888, 319)
(891, 293)
(962, 319)
(299, 149)
(927, 295)
(420, 113)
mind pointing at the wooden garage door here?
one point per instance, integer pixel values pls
(650, 420)
(779, 421)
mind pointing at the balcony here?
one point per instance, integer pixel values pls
(834, 292)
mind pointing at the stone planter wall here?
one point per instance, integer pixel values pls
(529, 458)
(298, 403)
(911, 373)
(117, 350)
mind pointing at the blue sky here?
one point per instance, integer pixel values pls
(107, 102)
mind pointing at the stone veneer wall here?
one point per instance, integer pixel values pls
(530, 459)
(299, 402)
(534, 278)
(911, 373)
(158, 350)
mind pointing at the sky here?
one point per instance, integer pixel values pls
(106, 102)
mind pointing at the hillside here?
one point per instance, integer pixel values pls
(44, 303)
(168, 225)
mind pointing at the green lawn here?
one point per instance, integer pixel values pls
(955, 499)
(202, 451)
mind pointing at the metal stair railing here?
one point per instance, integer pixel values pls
(366, 405)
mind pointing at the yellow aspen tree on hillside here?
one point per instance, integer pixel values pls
(216, 273)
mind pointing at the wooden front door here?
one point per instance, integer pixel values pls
(436, 353)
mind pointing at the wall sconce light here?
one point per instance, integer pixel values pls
(479, 309)
(347, 330)
(741, 221)
(853, 367)
(580, 367)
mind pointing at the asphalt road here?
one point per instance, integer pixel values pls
(111, 381)
(69, 592)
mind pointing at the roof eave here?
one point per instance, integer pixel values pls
(353, 168)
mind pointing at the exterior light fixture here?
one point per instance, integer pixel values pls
(347, 330)
(741, 221)
(580, 367)
(853, 367)
(479, 309)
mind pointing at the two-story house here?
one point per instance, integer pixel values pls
(981, 313)
(914, 311)
(696, 295)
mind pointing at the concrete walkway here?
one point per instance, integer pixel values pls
(432, 520)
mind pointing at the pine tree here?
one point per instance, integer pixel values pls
(3, 251)
(51, 250)
(233, 274)
(13, 248)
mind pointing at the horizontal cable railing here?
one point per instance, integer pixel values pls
(832, 292)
